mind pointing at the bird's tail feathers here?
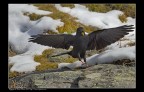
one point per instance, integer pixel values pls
(61, 54)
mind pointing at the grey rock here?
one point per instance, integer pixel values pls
(65, 79)
(97, 76)
(109, 76)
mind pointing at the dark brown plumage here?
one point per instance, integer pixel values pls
(81, 42)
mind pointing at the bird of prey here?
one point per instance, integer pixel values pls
(82, 42)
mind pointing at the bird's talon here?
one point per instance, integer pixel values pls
(83, 62)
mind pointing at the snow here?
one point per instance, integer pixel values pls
(23, 63)
(110, 19)
(20, 30)
(106, 57)
(130, 38)
(100, 20)
(96, 19)
(22, 8)
(46, 23)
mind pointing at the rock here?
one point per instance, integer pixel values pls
(65, 79)
(108, 76)
(97, 76)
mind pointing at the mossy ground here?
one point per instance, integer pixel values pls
(131, 43)
(70, 26)
(45, 63)
(15, 74)
(123, 18)
(128, 9)
(10, 52)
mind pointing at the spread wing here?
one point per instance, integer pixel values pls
(57, 41)
(101, 38)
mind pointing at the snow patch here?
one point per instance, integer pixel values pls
(20, 30)
(22, 8)
(106, 57)
(96, 19)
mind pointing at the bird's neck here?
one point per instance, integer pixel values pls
(79, 35)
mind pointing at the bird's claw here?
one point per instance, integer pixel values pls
(84, 63)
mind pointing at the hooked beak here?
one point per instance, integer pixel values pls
(83, 33)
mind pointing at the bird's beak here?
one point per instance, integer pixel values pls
(83, 33)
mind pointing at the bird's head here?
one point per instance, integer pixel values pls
(80, 31)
